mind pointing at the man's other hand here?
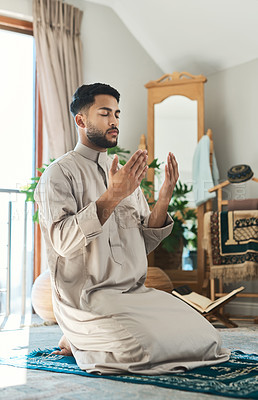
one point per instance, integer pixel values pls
(171, 177)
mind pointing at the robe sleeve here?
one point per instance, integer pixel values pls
(152, 236)
(69, 229)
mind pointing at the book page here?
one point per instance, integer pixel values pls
(202, 303)
(198, 299)
(195, 300)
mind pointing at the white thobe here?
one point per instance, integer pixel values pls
(112, 321)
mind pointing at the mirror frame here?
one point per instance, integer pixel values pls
(191, 86)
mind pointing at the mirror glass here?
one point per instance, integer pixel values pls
(176, 130)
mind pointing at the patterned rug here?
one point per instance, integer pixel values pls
(234, 244)
(236, 378)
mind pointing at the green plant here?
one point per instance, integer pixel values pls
(185, 220)
(29, 189)
(122, 153)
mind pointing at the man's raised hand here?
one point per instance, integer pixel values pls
(171, 177)
(124, 181)
(159, 212)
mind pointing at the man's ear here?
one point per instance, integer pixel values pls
(79, 120)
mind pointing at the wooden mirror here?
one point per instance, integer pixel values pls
(176, 124)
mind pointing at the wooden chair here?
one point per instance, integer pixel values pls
(218, 188)
(213, 293)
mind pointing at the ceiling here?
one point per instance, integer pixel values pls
(198, 36)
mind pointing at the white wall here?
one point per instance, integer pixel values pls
(232, 113)
(17, 8)
(112, 55)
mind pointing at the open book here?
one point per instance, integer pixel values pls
(201, 303)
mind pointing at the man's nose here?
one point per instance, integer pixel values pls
(113, 121)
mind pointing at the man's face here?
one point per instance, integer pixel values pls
(102, 121)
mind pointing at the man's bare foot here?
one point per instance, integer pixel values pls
(64, 346)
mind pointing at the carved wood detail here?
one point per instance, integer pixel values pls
(176, 78)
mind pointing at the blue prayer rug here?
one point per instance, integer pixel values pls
(237, 377)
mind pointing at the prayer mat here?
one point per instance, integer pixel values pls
(234, 245)
(237, 377)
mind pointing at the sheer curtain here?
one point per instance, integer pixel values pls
(56, 27)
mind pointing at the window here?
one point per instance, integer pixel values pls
(20, 153)
(17, 108)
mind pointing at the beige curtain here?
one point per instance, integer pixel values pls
(56, 28)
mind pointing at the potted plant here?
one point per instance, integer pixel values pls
(184, 233)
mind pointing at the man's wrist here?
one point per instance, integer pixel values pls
(106, 205)
(113, 197)
(164, 203)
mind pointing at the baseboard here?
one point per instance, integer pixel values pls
(240, 307)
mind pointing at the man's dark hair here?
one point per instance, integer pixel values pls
(85, 96)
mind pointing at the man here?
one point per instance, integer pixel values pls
(98, 229)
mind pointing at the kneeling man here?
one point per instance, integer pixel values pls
(98, 230)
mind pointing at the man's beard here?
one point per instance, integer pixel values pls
(98, 137)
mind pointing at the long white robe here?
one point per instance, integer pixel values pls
(112, 321)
